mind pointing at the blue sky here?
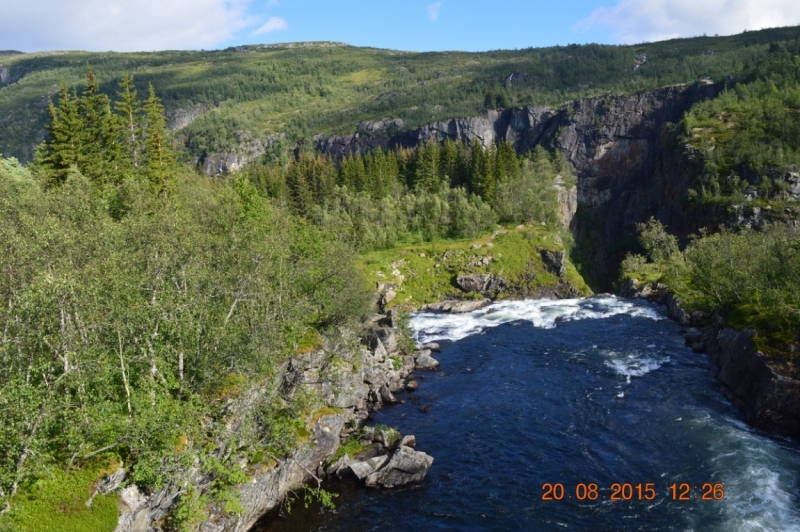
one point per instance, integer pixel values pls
(418, 25)
(427, 25)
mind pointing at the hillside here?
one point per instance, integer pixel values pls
(262, 98)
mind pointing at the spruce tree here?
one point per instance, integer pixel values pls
(130, 109)
(103, 155)
(159, 155)
(63, 150)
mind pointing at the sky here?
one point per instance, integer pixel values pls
(413, 25)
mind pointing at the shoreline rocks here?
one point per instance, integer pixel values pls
(352, 382)
(769, 399)
(454, 306)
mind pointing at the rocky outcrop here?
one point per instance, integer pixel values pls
(555, 262)
(627, 167)
(567, 202)
(482, 283)
(12, 74)
(768, 396)
(353, 382)
(178, 119)
(769, 399)
(404, 467)
(248, 150)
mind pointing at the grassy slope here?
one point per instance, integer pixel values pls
(329, 88)
(58, 502)
(427, 277)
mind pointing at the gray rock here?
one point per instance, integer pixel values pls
(426, 361)
(363, 469)
(479, 282)
(386, 436)
(554, 261)
(432, 346)
(110, 483)
(405, 466)
(769, 400)
(408, 441)
(388, 297)
(341, 465)
(456, 307)
(388, 338)
(374, 376)
(379, 352)
(675, 309)
(386, 395)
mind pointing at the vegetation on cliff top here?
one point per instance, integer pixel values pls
(749, 136)
(748, 279)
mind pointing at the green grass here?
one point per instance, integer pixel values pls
(57, 502)
(351, 446)
(427, 276)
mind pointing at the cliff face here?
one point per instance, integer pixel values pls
(620, 150)
(769, 400)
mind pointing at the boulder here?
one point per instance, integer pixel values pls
(385, 336)
(338, 467)
(479, 282)
(425, 361)
(408, 441)
(405, 466)
(386, 395)
(456, 307)
(379, 352)
(386, 436)
(554, 261)
(364, 469)
(388, 297)
(432, 346)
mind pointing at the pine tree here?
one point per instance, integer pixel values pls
(64, 148)
(103, 155)
(129, 109)
(160, 158)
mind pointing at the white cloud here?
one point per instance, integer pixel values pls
(272, 3)
(633, 21)
(273, 24)
(121, 25)
(433, 11)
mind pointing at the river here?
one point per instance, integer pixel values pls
(597, 396)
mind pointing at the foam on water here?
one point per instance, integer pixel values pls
(542, 313)
(633, 364)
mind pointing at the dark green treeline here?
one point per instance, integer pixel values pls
(449, 189)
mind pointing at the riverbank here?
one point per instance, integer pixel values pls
(353, 379)
(765, 387)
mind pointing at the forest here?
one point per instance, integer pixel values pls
(139, 296)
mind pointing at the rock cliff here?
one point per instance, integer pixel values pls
(769, 399)
(627, 165)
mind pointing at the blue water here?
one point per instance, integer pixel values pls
(599, 390)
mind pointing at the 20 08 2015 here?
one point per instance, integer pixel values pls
(626, 491)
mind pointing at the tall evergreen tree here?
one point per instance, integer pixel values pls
(130, 110)
(160, 158)
(63, 149)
